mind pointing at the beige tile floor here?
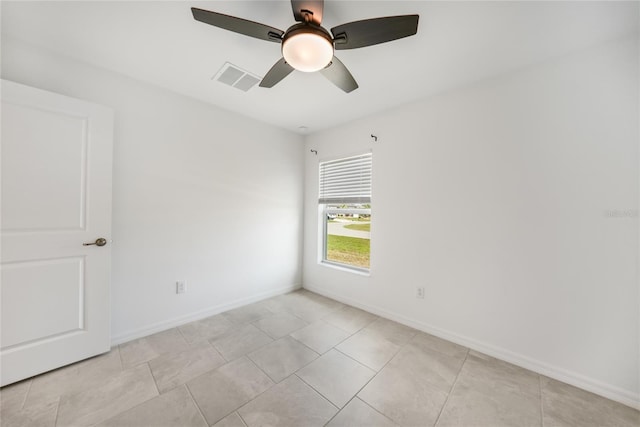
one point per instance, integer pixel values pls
(300, 360)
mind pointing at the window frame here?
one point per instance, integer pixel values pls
(324, 211)
(326, 208)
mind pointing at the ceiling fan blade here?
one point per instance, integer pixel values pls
(238, 25)
(338, 74)
(315, 7)
(279, 71)
(374, 31)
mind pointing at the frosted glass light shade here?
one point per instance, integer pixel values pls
(307, 52)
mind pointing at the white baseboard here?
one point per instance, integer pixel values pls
(181, 320)
(605, 390)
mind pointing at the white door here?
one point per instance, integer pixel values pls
(56, 157)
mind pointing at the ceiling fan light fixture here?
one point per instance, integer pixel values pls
(307, 48)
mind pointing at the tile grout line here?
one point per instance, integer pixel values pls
(337, 344)
(263, 331)
(26, 395)
(340, 342)
(451, 389)
(182, 335)
(367, 383)
(55, 421)
(295, 374)
(120, 357)
(362, 363)
(316, 352)
(285, 335)
(207, 373)
(468, 350)
(241, 419)
(247, 322)
(252, 351)
(257, 395)
(400, 347)
(276, 383)
(345, 405)
(378, 318)
(355, 396)
(195, 402)
(155, 382)
(246, 356)
(221, 355)
(329, 311)
(321, 354)
(24, 399)
(213, 347)
(349, 332)
(267, 375)
(246, 403)
(294, 315)
(376, 372)
(139, 404)
(374, 409)
(224, 336)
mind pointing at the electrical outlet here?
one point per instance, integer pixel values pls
(181, 287)
(420, 293)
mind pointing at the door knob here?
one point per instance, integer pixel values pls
(99, 242)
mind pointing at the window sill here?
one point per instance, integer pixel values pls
(354, 270)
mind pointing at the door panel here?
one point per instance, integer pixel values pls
(53, 145)
(56, 156)
(53, 289)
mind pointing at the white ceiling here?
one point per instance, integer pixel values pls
(457, 43)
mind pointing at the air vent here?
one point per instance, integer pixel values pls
(235, 76)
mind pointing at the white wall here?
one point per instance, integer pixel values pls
(200, 194)
(497, 198)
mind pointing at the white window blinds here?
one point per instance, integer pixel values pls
(346, 180)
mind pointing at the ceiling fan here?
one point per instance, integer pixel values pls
(308, 47)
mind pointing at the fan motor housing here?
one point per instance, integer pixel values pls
(303, 28)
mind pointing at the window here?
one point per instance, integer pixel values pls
(345, 203)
